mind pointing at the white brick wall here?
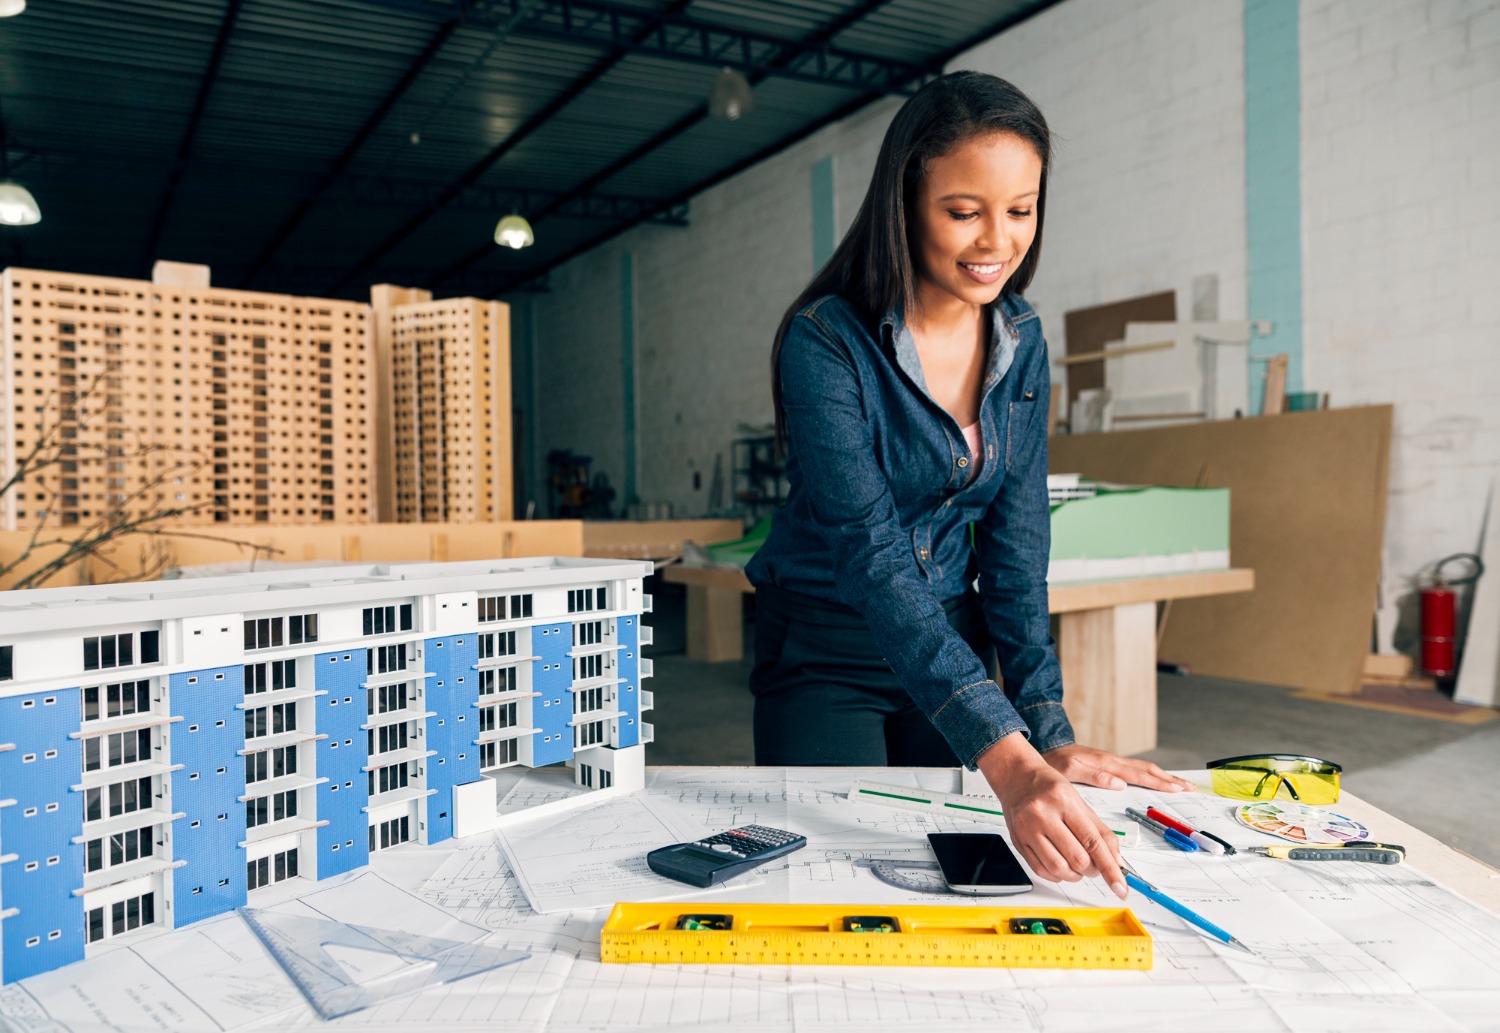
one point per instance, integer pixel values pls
(1401, 214)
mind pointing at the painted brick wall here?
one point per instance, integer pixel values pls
(207, 790)
(450, 695)
(1401, 233)
(344, 843)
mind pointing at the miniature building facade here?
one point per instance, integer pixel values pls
(169, 748)
(244, 407)
(443, 416)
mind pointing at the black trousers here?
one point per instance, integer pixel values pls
(825, 695)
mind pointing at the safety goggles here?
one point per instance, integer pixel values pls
(1264, 776)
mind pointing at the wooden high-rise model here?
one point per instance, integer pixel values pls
(244, 408)
(443, 419)
(249, 408)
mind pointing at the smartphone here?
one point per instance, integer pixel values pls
(979, 863)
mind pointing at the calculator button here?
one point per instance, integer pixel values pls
(723, 848)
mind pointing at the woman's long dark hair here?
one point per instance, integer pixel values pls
(873, 267)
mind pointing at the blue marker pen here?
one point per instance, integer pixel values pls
(1172, 836)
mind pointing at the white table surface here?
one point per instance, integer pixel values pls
(1339, 945)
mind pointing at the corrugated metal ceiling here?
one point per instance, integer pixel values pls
(316, 148)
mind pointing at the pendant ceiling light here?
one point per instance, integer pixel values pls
(514, 231)
(11, 8)
(731, 97)
(17, 206)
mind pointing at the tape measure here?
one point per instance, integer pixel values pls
(716, 933)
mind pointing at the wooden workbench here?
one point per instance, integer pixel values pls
(1106, 641)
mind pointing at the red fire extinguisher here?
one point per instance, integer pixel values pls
(1440, 614)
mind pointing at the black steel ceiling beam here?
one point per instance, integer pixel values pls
(219, 179)
(479, 168)
(813, 43)
(185, 148)
(341, 163)
(674, 37)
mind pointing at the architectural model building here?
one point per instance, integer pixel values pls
(272, 395)
(443, 407)
(168, 748)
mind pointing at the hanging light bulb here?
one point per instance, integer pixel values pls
(11, 8)
(731, 97)
(513, 231)
(17, 206)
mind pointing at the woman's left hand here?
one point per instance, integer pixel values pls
(1088, 766)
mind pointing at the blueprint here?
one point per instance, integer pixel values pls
(1338, 946)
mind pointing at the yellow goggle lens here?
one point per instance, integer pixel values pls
(1248, 782)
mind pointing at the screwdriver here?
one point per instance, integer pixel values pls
(1355, 850)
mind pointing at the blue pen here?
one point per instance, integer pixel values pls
(1150, 892)
(1172, 836)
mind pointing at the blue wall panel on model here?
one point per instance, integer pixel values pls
(39, 829)
(552, 673)
(344, 843)
(628, 669)
(207, 790)
(451, 692)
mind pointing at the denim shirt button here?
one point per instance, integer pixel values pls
(962, 462)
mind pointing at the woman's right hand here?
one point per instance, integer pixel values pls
(1059, 835)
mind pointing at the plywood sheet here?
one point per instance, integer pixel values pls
(1090, 329)
(1307, 514)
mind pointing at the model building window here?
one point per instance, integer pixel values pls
(7, 663)
(273, 632)
(588, 633)
(385, 698)
(105, 651)
(581, 600)
(134, 794)
(121, 917)
(385, 659)
(269, 764)
(588, 699)
(383, 620)
(271, 677)
(495, 754)
(387, 739)
(591, 666)
(266, 809)
(495, 681)
(389, 833)
(110, 751)
(275, 868)
(491, 608)
(117, 700)
(121, 848)
(387, 780)
(501, 643)
(520, 606)
(589, 734)
(272, 720)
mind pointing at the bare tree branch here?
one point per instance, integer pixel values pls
(156, 469)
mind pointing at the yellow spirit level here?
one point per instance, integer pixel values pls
(720, 933)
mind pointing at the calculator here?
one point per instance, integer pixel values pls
(712, 860)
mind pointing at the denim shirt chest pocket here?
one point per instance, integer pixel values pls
(1019, 412)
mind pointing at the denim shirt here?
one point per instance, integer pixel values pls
(881, 503)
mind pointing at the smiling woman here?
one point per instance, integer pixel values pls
(910, 381)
